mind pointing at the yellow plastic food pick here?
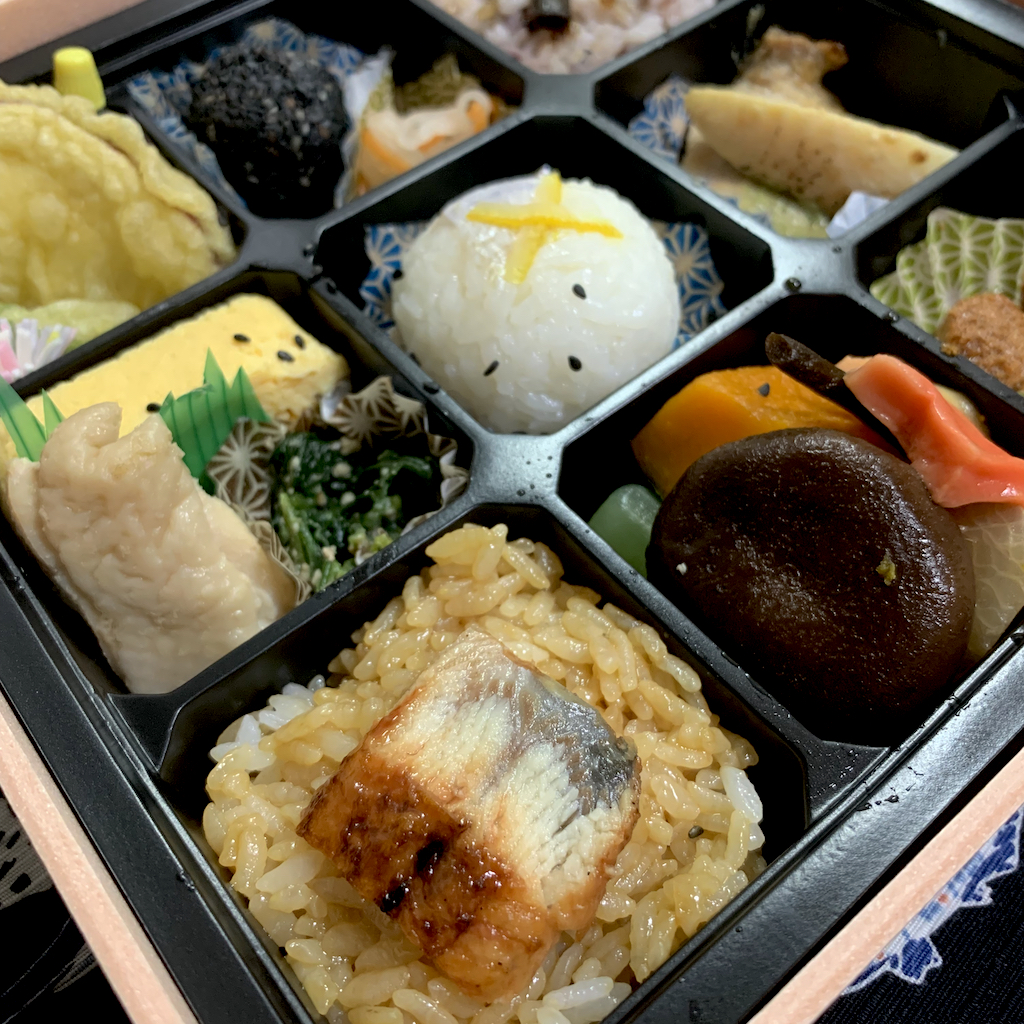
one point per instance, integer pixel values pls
(535, 223)
(75, 74)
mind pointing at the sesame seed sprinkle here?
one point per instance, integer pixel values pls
(574, 363)
(490, 369)
(764, 389)
(579, 291)
(300, 341)
(241, 337)
(285, 357)
(153, 407)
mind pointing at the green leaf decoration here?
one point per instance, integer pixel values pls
(52, 415)
(219, 412)
(25, 430)
(201, 420)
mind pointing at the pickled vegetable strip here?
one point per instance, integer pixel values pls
(960, 465)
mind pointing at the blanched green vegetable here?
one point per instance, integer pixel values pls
(332, 512)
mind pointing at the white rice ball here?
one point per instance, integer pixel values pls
(458, 315)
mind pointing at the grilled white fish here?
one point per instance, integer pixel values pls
(484, 813)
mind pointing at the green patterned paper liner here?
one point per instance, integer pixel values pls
(961, 255)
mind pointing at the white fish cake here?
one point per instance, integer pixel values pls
(484, 814)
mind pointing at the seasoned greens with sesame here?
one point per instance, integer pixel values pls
(333, 511)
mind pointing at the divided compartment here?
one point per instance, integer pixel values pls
(577, 149)
(835, 827)
(145, 712)
(307, 648)
(901, 63)
(416, 39)
(832, 325)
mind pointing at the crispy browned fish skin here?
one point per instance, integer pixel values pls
(988, 329)
(423, 839)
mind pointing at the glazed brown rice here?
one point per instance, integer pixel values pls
(693, 849)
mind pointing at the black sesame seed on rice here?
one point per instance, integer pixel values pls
(579, 291)
(285, 357)
(764, 389)
(241, 337)
(397, 275)
(490, 369)
(695, 831)
(574, 363)
(300, 341)
(153, 407)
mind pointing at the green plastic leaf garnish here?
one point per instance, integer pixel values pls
(52, 415)
(25, 430)
(201, 420)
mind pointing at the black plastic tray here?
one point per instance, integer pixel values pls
(840, 819)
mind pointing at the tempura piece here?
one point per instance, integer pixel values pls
(89, 317)
(89, 209)
(484, 814)
(169, 578)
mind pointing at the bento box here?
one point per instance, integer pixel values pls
(840, 815)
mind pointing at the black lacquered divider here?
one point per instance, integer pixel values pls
(176, 898)
(840, 818)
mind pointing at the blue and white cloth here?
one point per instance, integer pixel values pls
(959, 961)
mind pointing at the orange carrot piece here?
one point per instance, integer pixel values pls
(392, 160)
(477, 116)
(959, 464)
